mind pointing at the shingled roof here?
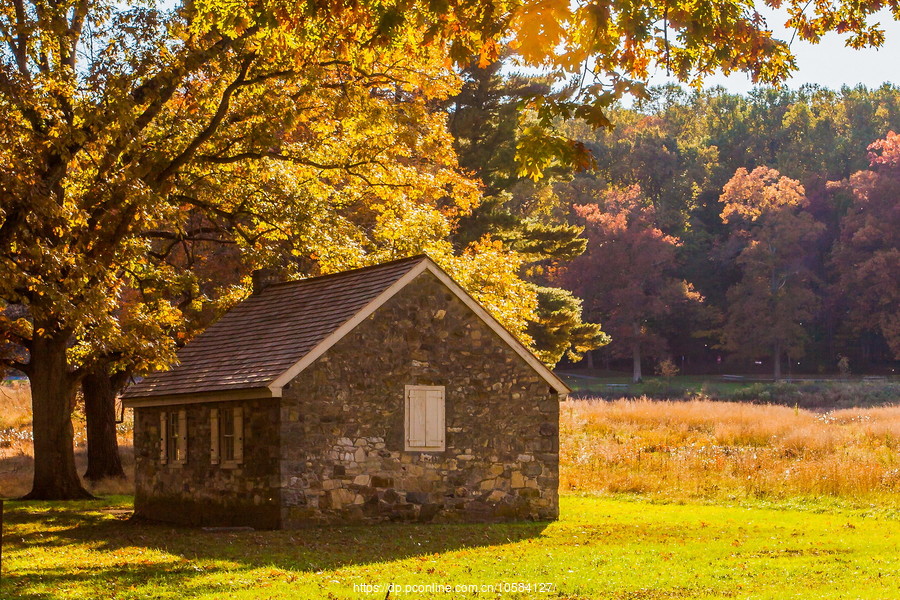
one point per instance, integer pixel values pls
(263, 342)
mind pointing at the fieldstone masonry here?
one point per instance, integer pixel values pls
(199, 492)
(331, 450)
(343, 422)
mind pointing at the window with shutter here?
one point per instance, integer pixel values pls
(425, 428)
(230, 436)
(238, 435)
(181, 446)
(227, 435)
(173, 437)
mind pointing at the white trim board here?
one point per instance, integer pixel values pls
(426, 265)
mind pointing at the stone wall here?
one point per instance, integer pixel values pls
(342, 420)
(199, 492)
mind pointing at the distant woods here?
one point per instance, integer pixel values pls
(720, 231)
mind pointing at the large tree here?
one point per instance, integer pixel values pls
(775, 294)
(122, 121)
(867, 255)
(628, 276)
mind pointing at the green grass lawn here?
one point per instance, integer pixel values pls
(601, 548)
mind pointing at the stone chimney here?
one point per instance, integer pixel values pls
(262, 278)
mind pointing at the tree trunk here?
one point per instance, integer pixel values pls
(100, 412)
(636, 360)
(636, 355)
(52, 400)
(776, 359)
(590, 359)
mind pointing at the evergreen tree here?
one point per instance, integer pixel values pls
(524, 215)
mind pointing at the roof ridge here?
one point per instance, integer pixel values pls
(411, 259)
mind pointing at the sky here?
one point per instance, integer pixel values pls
(829, 63)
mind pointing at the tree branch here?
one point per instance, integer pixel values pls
(79, 14)
(225, 160)
(212, 126)
(20, 49)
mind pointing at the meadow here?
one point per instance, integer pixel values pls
(660, 500)
(709, 451)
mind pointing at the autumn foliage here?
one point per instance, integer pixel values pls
(304, 136)
(774, 295)
(867, 256)
(628, 274)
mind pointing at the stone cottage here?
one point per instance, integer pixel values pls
(383, 393)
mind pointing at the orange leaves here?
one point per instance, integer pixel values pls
(540, 27)
(774, 295)
(490, 53)
(627, 273)
(867, 254)
(844, 17)
(750, 195)
(885, 152)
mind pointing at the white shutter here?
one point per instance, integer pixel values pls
(238, 435)
(182, 435)
(415, 417)
(214, 436)
(434, 418)
(425, 417)
(163, 438)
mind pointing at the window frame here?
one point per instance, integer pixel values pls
(439, 420)
(222, 438)
(173, 437)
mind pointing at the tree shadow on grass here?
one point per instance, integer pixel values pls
(173, 557)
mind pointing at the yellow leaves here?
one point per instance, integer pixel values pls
(540, 27)
(489, 273)
(407, 227)
(750, 195)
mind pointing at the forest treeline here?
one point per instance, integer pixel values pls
(722, 230)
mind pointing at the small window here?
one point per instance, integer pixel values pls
(173, 437)
(227, 436)
(425, 418)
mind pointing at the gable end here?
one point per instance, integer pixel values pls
(426, 265)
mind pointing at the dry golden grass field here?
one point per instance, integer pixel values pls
(661, 501)
(725, 450)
